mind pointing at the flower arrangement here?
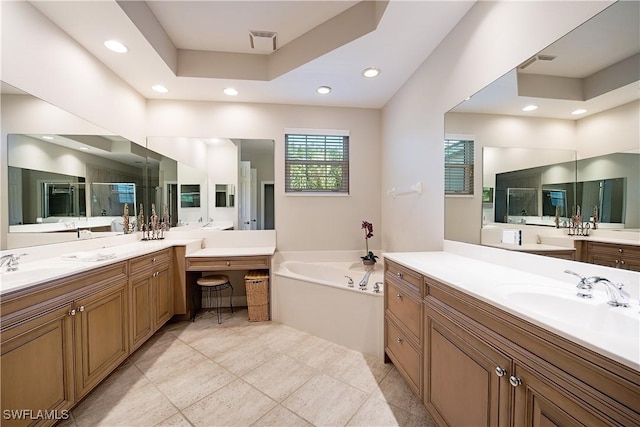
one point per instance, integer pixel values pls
(369, 258)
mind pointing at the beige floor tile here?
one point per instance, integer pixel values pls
(279, 376)
(193, 382)
(217, 342)
(316, 352)
(245, 357)
(280, 337)
(174, 420)
(236, 404)
(325, 401)
(395, 390)
(171, 362)
(143, 406)
(377, 412)
(279, 417)
(359, 370)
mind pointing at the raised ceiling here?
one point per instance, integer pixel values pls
(198, 48)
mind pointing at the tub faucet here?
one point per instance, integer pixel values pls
(10, 261)
(349, 281)
(617, 297)
(365, 280)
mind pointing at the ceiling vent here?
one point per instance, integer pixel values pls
(533, 59)
(263, 41)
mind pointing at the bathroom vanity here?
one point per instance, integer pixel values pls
(68, 321)
(495, 349)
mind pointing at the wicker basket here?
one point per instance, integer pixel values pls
(257, 285)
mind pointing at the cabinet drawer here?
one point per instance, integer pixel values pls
(404, 275)
(228, 263)
(150, 261)
(615, 250)
(404, 308)
(404, 355)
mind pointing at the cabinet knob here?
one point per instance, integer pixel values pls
(515, 381)
(153, 260)
(399, 274)
(399, 296)
(72, 313)
(399, 340)
(622, 262)
(501, 372)
(620, 250)
(228, 263)
(81, 308)
(617, 261)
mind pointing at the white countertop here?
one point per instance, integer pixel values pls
(231, 252)
(486, 281)
(528, 247)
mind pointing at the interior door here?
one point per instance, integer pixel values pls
(244, 209)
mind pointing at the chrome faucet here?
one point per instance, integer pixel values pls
(376, 287)
(365, 280)
(349, 281)
(617, 297)
(10, 261)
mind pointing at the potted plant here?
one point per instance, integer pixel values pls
(370, 258)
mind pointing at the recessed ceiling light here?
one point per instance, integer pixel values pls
(116, 46)
(530, 108)
(160, 88)
(231, 91)
(323, 90)
(371, 72)
(47, 137)
(83, 148)
(579, 111)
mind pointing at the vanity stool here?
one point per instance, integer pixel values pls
(214, 284)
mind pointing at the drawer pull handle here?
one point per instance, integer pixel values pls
(399, 274)
(228, 263)
(399, 340)
(501, 372)
(399, 296)
(515, 381)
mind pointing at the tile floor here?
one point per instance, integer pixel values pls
(243, 373)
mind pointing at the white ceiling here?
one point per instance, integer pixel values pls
(406, 34)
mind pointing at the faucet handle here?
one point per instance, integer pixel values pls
(349, 281)
(376, 287)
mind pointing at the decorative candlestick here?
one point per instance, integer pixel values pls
(125, 219)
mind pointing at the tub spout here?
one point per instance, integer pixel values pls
(365, 280)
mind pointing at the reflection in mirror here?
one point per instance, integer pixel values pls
(225, 195)
(60, 182)
(593, 68)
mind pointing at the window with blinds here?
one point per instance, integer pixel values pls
(458, 166)
(316, 163)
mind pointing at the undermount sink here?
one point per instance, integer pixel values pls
(30, 273)
(561, 306)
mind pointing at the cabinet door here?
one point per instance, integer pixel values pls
(539, 402)
(462, 386)
(162, 297)
(101, 336)
(36, 363)
(141, 316)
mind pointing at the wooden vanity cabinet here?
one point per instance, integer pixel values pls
(403, 322)
(101, 336)
(60, 339)
(36, 363)
(613, 255)
(151, 295)
(484, 366)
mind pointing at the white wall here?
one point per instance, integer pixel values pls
(490, 40)
(302, 222)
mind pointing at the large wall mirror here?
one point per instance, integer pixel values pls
(70, 178)
(234, 179)
(556, 158)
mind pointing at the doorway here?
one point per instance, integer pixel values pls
(267, 214)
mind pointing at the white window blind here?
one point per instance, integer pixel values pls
(458, 166)
(316, 163)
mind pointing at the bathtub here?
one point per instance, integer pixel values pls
(315, 297)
